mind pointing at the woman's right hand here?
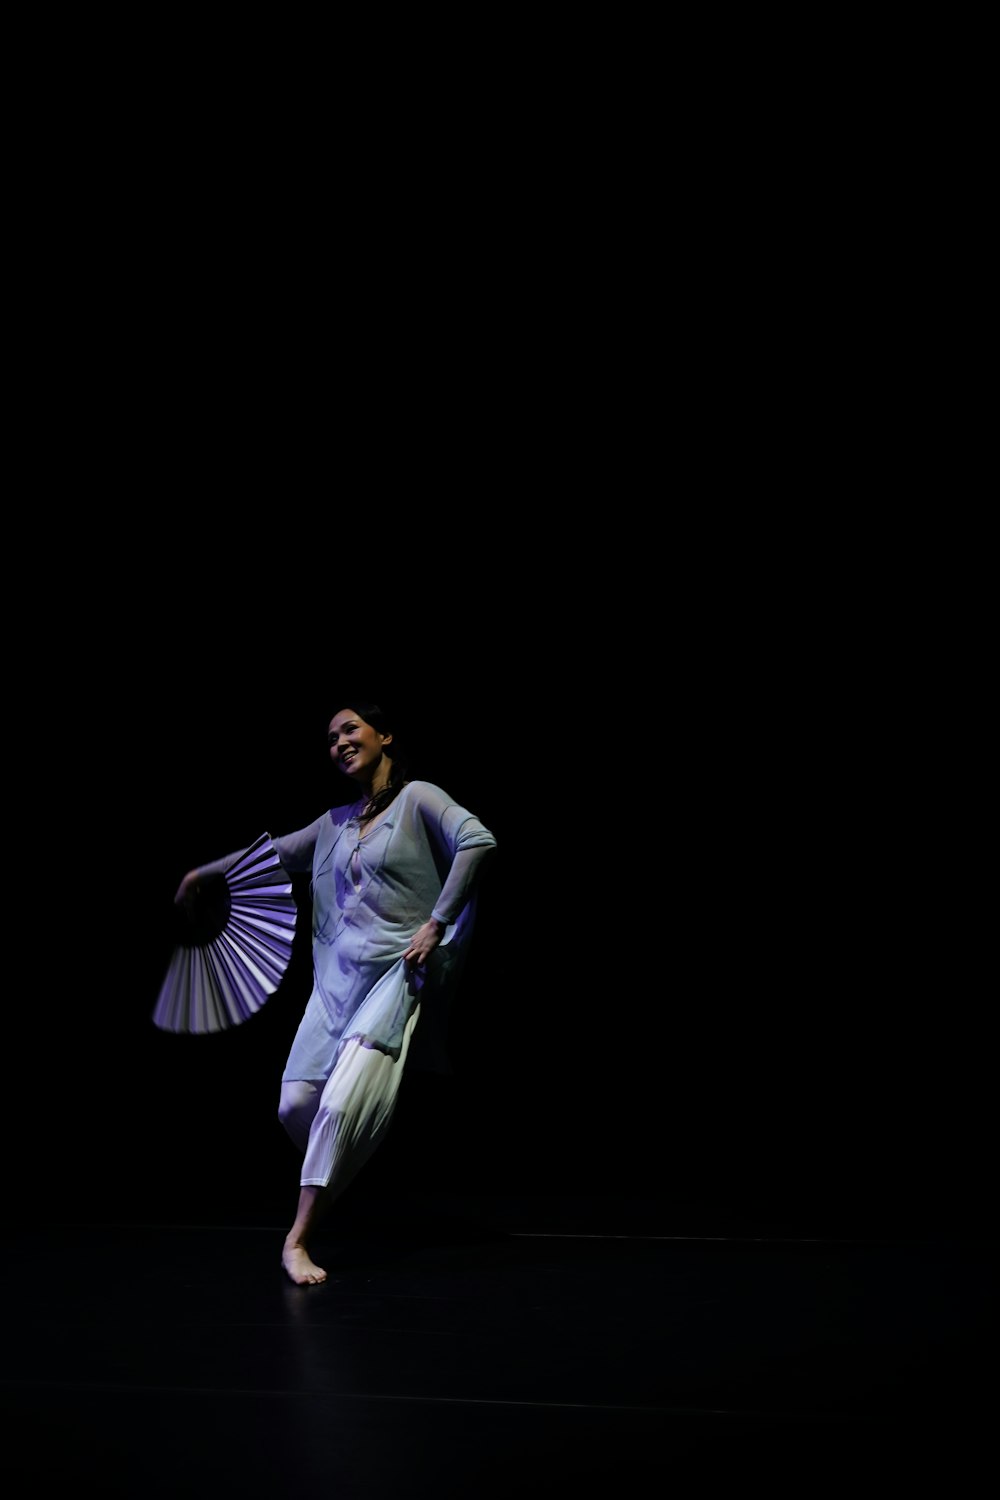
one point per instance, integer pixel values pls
(187, 890)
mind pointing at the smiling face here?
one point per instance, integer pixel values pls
(355, 747)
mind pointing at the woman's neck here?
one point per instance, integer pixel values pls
(380, 779)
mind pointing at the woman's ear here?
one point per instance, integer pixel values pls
(386, 740)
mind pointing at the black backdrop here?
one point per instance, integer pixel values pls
(724, 960)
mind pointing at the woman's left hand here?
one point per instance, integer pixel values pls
(423, 943)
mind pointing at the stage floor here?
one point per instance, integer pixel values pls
(475, 1348)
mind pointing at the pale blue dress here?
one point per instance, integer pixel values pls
(370, 893)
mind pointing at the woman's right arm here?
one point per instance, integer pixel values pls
(190, 887)
(294, 851)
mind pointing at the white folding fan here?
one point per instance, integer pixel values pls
(221, 973)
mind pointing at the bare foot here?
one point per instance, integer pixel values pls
(300, 1268)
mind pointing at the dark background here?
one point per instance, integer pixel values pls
(661, 519)
(725, 970)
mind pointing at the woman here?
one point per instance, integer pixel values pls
(394, 877)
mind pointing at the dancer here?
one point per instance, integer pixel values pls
(394, 891)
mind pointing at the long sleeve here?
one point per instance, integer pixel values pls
(220, 866)
(294, 851)
(463, 844)
(462, 877)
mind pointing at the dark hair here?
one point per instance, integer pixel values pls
(382, 723)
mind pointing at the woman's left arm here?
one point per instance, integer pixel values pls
(470, 844)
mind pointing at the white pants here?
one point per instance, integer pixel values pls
(337, 1125)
